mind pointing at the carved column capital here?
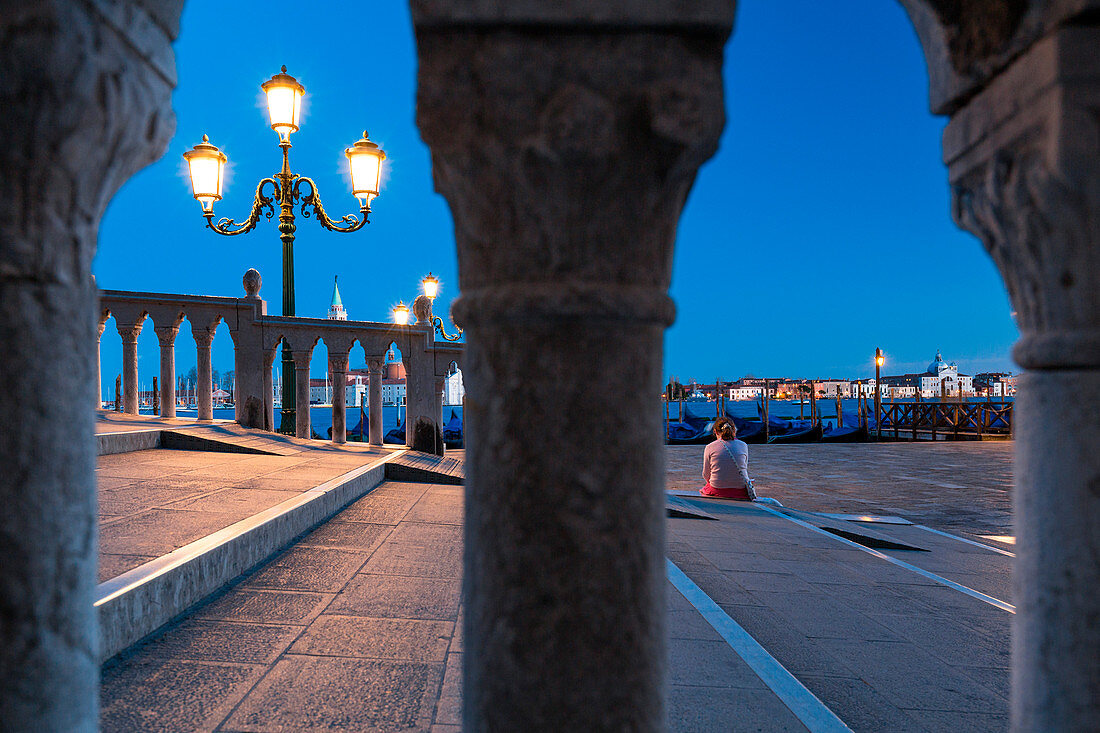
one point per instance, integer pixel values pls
(302, 358)
(129, 331)
(203, 337)
(1024, 163)
(569, 153)
(167, 334)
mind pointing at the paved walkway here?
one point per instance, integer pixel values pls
(959, 486)
(358, 626)
(152, 502)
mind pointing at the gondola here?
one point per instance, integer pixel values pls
(856, 434)
(452, 432)
(801, 435)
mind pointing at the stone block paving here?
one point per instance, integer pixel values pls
(956, 486)
(152, 502)
(357, 627)
(884, 648)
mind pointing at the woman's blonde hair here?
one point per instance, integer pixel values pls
(725, 429)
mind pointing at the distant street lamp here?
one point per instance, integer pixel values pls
(206, 166)
(422, 309)
(879, 361)
(431, 290)
(401, 314)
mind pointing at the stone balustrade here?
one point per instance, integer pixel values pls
(256, 338)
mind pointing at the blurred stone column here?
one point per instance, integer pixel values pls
(204, 381)
(565, 137)
(1024, 161)
(301, 392)
(85, 93)
(167, 337)
(338, 369)
(129, 333)
(374, 404)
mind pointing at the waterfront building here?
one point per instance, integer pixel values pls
(940, 378)
(833, 387)
(453, 390)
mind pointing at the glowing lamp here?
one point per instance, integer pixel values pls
(284, 103)
(206, 163)
(401, 314)
(879, 358)
(366, 159)
(431, 286)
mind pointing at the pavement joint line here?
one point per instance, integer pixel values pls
(900, 563)
(991, 548)
(805, 706)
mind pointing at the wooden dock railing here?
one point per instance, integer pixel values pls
(914, 420)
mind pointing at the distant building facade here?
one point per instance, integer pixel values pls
(940, 378)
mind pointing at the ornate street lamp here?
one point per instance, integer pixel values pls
(401, 314)
(430, 285)
(206, 164)
(879, 361)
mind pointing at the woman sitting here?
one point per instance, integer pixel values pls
(726, 465)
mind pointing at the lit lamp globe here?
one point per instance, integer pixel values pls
(206, 164)
(366, 159)
(431, 286)
(401, 314)
(879, 358)
(284, 103)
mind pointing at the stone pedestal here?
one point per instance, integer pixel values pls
(566, 138)
(374, 404)
(167, 337)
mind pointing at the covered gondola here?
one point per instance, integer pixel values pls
(452, 432)
(851, 434)
(811, 434)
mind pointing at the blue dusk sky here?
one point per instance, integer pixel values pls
(820, 230)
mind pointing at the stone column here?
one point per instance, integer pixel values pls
(129, 333)
(438, 383)
(269, 389)
(301, 392)
(86, 103)
(1024, 161)
(374, 404)
(100, 328)
(418, 384)
(248, 354)
(338, 370)
(203, 382)
(566, 149)
(167, 337)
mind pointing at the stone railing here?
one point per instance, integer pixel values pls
(256, 338)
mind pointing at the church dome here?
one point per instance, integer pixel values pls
(937, 365)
